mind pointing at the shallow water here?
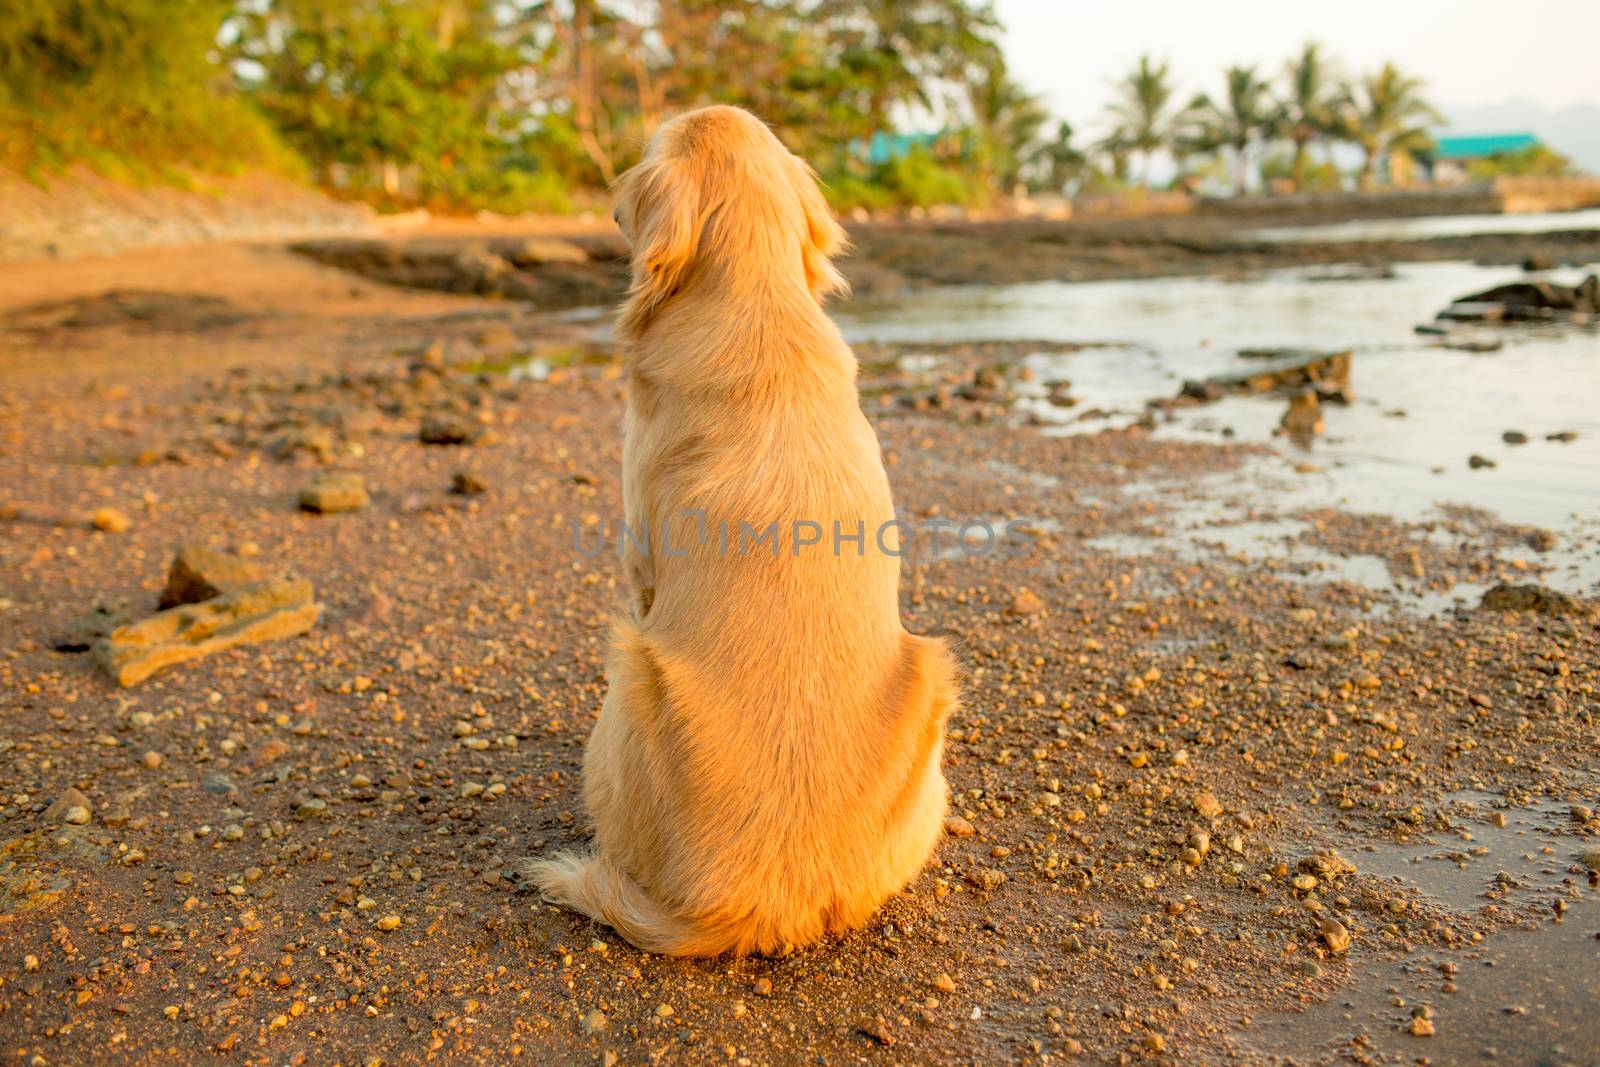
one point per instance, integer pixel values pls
(1400, 449)
(1431, 226)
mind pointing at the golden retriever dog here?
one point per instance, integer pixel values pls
(765, 768)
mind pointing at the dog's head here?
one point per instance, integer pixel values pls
(717, 186)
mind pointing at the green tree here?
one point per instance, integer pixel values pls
(1142, 112)
(403, 99)
(1309, 109)
(1385, 113)
(1008, 122)
(1242, 118)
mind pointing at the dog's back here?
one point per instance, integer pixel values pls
(766, 765)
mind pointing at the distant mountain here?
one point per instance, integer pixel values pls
(1572, 131)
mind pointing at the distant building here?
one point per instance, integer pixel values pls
(1451, 156)
(886, 147)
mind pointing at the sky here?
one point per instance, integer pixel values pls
(1476, 57)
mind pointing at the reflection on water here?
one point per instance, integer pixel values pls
(1400, 449)
(1431, 226)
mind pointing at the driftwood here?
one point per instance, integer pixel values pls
(265, 611)
(1291, 369)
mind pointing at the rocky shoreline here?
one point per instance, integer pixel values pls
(1175, 776)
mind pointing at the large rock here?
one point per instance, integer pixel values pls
(265, 611)
(1507, 597)
(1540, 301)
(199, 573)
(537, 251)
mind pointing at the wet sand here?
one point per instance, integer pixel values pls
(1192, 778)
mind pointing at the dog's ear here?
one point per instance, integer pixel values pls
(665, 197)
(824, 237)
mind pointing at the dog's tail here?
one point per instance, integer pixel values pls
(593, 885)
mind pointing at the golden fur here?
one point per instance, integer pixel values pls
(766, 764)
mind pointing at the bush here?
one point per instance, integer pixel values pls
(1535, 161)
(126, 86)
(915, 179)
(1319, 174)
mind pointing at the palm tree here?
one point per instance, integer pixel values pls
(1308, 111)
(1143, 121)
(1385, 113)
(1240, 120)
(1060, 161)
(1008, 121)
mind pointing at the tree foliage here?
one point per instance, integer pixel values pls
(131, 84)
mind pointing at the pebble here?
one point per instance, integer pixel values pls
(1335, 936)
(110, 520)
(388, 922)
(956, 826)
(151, 760)
(1026, 602)
(1207, 806)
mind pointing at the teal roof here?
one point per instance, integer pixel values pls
(1482, 146)
(884, 147)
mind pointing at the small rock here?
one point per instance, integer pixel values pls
(1421, 1027)
(1477, 462)
(110, 520)
(388, 922)
(763, 987)
(595, 1022)
(1207, 806)
(448, 430)
(219, 784)
(1542, 540)
(878, 1031)
(1590, 858)
(986, 878)
(71, 807)
(198, 573)
(944, 983)
(956, 826)
(1335, 936)
(1514, 437)
(1026, 602)
(467, 484)
(334, 493)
